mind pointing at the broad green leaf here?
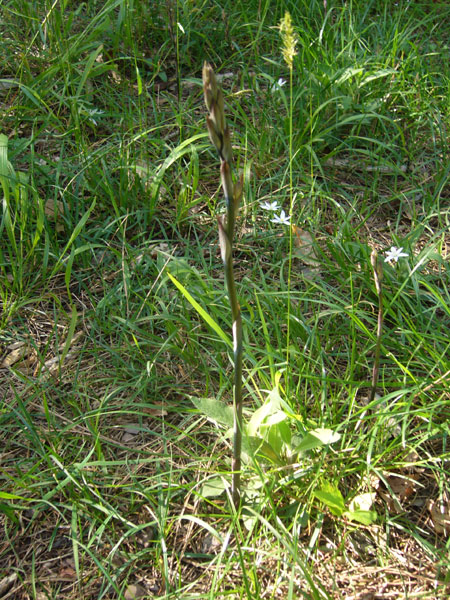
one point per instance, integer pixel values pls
(271, 406)
(275, 418)
(330, 495)
(316, 439)
(259, 448)
(214, 487)
(215, 410)
(365, 517)
(278, 436)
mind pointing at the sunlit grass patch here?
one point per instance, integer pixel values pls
(112, 484)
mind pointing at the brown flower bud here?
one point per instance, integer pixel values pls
(237, 192)
(225, 246)
(227, 181)
(215, 139)
(226, 151)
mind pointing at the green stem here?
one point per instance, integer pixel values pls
(237, 355)
(376, 364)
(288, 333)
(377, 275)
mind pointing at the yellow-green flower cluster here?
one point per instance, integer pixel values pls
(289, 38)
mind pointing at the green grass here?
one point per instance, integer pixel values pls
(109, 183)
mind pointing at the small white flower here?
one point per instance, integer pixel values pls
(276, 87)
(92, 114)
(394, 254)
(270, 205)
(282, 219)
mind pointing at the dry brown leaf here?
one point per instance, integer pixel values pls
(130, 431)
(17, 351)
(440, 515)
(135, 591)
(53, 212)
(304, 251)
(155, 410)
(52, 209)
(403, 489)
(67, 574)
(6, 583)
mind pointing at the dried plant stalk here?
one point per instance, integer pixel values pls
(220, 137)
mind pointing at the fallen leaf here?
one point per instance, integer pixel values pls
(362, 501)
(17, 351)
(440, 515)
(67, 574)
(6, 583)
(155, 410)
(304, 245)
(53, 209)
(397, 491)
(135, 591)
(131, 430)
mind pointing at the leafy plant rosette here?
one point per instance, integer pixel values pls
(272, 444)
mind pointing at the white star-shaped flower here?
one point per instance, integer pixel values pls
(394, 254)
(282, 219)
(278, 85)
(270, 205)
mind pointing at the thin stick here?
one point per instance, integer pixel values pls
(377, 276)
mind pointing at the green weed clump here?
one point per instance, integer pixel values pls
(21, 227)
(117, 357)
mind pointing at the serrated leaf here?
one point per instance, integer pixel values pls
(330, 495)
(215, 410)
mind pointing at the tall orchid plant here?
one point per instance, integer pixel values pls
(219, 135)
